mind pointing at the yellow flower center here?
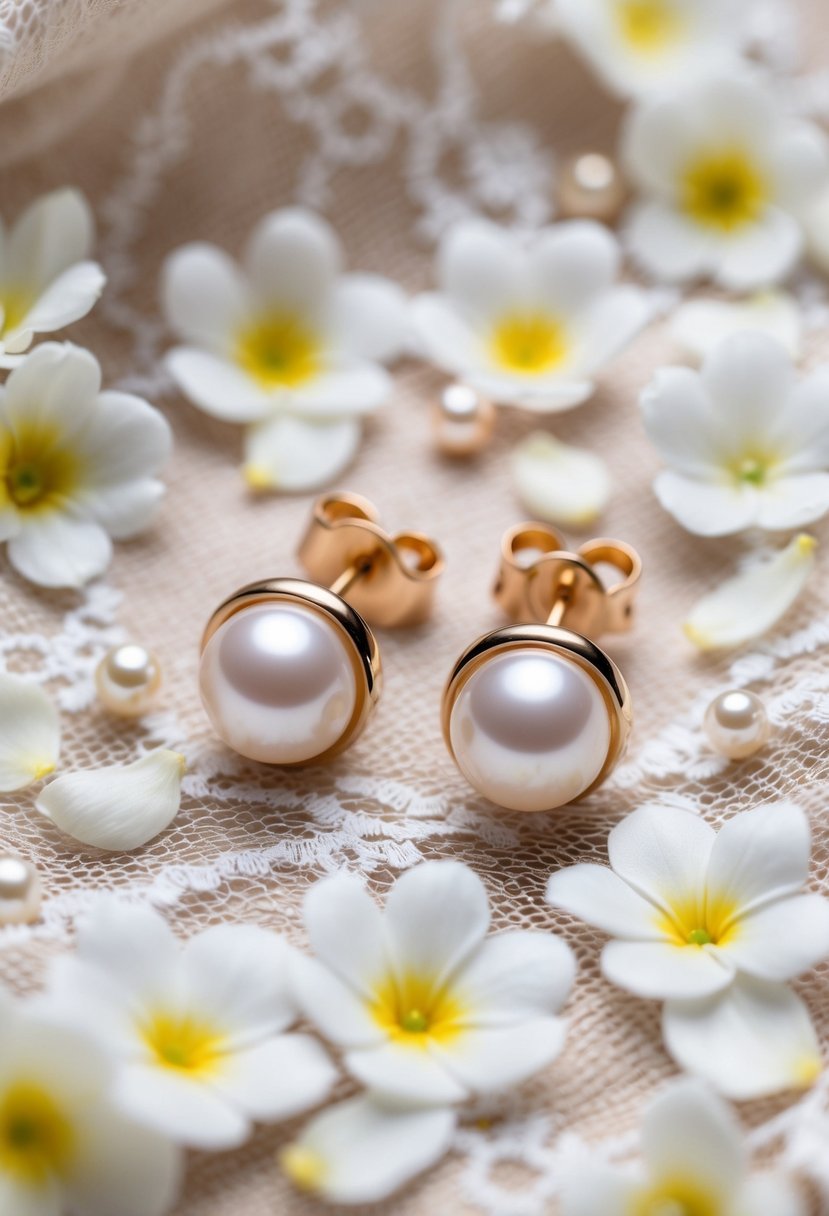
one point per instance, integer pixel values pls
(184, 1043)
(305, 1168)
(724, 190)
(279, 350)
(36, 1136)
(414, 1010)
(15, 302)
(677, 1197)
(37, 468)
(649, 26)
(753, 469)
(709, 922)
(529, 343)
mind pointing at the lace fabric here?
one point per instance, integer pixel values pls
(394, 120)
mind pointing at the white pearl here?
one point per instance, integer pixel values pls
(278, 683)
(530, 729)
(737, 724)
(20, 892)
(128, 679)
(462, 420)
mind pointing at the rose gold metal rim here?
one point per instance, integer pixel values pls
(360, 644)
(580, 650)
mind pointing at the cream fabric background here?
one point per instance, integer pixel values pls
(392, 119)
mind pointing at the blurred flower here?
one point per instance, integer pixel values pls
(639, 46)
(726, 175)
(64, 1144)
(46, 279)
(29, 732)
(694, 1164)
(428, 1008)
(77, 465)
(196, 1029)
(747, 444)
(558, 482)
(286, 343)
(700, 325)
(714, 923)
(754, 600)
(528, 323)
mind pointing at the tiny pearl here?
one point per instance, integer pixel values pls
(20, 892)
(278, 683)
(462, 420)
(591, 187)
(530, 729)
(128, 679)
(736, 724)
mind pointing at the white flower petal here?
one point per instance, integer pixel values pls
(781, 941)
(55, 550)
(750, 377)
(436, 914)
(487, 1061)
(596, 1188)
(754, 1039)
(277, 1079)
(19, 1197)
(679, 421)
(612, 324)
(177, 1106)
(29, 733)
(599, 897)
(557, 482)
(572, 265)
(292, 260)
(216, 386)
(656, 140)
(791, 502)
(237, 976)
(70, 297)
(480, 270)
(665, 244)
(131, 948)
(344, 390)
(760, 855)
(550, 394)
(753, 601)
(121, 1166)
(765, 254)
(773, 1194)
(515, 977)
(800, 156)
(288, 453)
(444, 337)
(690, 1133)
(405, 1073)
(370, 317)
(801, 436)
(707, 508)
(700, 325)
(662, 971)
(53, 233)
(334, 1008)
(204, 296)
(117, 807)
(57, 383)
(345, 928)
(817, 231)
(663, 853)
(361, 1151)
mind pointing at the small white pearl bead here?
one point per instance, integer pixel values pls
(462, 420)
(20, 892)
(591, 187)
(278, 683)
(736, 724)
(530, 729)
(128, 679)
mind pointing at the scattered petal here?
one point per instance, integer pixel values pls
(557, 482)
(29, 733)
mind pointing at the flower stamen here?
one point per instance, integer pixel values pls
(649, 26)
(529, 343)
(279, 350)
(36, 1138)
(184, 1044)
(724, 190)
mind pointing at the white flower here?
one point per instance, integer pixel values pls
(362, 1150)
(287, 343)
(64, 1145)
(528, 323)
(694, 1164)
(700, 325)
(29, 733)
(700, 914)
(46, 279)
(817, 230)
(118, 807)
(558, 482)
(747, 444)
(640, 46)
(196, 1029)
(426, 1007)
(77, 466)
(725, 174)
(753, 601)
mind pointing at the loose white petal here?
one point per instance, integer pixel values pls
(700, 325)
(118, 807)
(754, 1039)
(362, 1151)
(288, 453)
(557, 482)
(753, 601)
(29, 733)
(690, 1133)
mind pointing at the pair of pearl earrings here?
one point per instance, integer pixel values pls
(535, 715)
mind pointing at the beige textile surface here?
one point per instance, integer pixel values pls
(392, 119)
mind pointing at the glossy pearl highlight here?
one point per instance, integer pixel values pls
(530, 729)
(278, 683)
(736, 724)
(20, 891)
(128, 679)
(463, 421)
(591, 187)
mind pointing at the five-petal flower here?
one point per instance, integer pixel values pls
(285, 343)
(747, 444)
(46, 278)
(528, 323)
(428, 1008)
(726, 175)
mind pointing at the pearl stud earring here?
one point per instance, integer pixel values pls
(289, 670)
(536, 715)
